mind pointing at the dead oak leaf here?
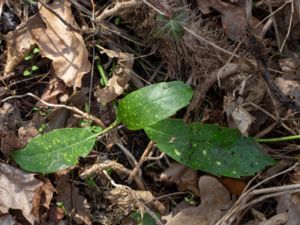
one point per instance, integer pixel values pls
(120, 77)
(215, 200)
(18, 190)
(185, 178)
(65, 47)
(74, 203)
(234, 19)
(56, 40)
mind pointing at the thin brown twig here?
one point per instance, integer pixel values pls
(108, 11)
(71, 108)
(141, 161)
(235, 209)
(108, 164)
(289, 28)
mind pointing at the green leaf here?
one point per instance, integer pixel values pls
(28, 57)
(173, 27)
(217, 150)
(36, 50)
(56, 150)
(145, 219)
(34, 68)
(26, 73)
(153, 103)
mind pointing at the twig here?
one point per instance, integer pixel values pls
(290, 26)
(235, 209)
(93, 57)
(71, 108)
(141, 161)
(108, 164)
(119, 6)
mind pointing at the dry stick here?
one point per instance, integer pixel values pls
(93, 57)
(71, 108)
(262, 198)
(119, 168)
(290, 26)
(228, 61)
(272, 116)
(118, 7)
(141, 161)
(245, 196)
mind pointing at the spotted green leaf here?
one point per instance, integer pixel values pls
(216, 150)
(56, 150)
(171, 27)
(153, 103)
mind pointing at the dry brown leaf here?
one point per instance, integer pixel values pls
(55, 87)
(238, 116)
(65, 47)
(18, 190)
(279, 219)
(75, 204)
(290, 66)
(147, 196)
(289, 203)
(19, 44)
(290, 87)
(123, 198)
(215, 200)
(234, 186)
(185, 178)
(234, 18)
(178, 208)
(56, 214)
(120, 77)
(56, 40)
(7, 220)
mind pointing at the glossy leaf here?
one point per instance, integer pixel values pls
(217, 150)
(56, 150)
(145, 219)
(153, 103)
(173, 27)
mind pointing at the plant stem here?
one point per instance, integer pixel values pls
(288, 138)
(102, 74)
(110, 127)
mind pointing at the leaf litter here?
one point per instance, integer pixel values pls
(214, 46)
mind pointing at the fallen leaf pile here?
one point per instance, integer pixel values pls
(56, 40)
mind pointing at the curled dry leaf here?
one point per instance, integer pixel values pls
(234, 18)
(20, 190)
(215, 200)
(74, 203)
(7, 220)
(290, 87)
(185, 178)
(289, 203)
(279, 219)
(238, 116)
(120, 77)
(234, 186)
(56, 40)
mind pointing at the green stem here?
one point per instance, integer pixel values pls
(107, 129)
(288, 138)
(102, 74)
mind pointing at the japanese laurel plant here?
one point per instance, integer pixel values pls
(216, 150)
